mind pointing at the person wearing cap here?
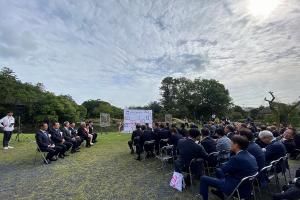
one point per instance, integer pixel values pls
(7, 123)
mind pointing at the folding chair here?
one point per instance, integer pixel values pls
(267, 172)
(166, 154)
(287, 167)
(162, 143)
(38, 150)
(212, 159)
(194, 161)
(148, 147)
(223, 157)
(236, 194)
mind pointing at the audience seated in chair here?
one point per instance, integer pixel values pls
(208, 142)
(188, 150)
(275, 149)
(289, 142)
(241, 165)
(74, 133)
(135, 141)
(58, 139)
(147, 136)
(91, 131)
(69, 138)
(45, 144)
(223, 145)
(83, 134)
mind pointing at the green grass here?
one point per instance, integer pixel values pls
(105, 171)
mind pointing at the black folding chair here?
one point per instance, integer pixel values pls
(43, 154)
(149, 147)
(165, 155)
(211, 162)
(247, 180)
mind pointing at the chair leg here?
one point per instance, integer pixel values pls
(35, 158)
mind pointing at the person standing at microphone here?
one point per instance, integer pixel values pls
(7, 123)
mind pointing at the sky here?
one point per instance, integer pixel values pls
(120, 50)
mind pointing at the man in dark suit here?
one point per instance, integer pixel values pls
(188, 150)
(183, 131)
(274, 149)
(289, 142)
(74, 134)
(163, 134)
(253, 148)
(135, 140)
(58, 139)
(291, 192)
(208, 142)
(46, 145)
(69, 138)
(147, 136)
(175, 137)
(155, 135)
(241, 165)
(83, 134)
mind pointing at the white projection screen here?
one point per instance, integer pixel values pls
(133, 117)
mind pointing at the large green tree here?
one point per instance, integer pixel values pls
(183, 97)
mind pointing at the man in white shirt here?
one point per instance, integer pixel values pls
(7, 123)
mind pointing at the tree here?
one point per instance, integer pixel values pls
(194, 98)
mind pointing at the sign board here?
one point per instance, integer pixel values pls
(133, 117)
(168, 118)
(104, 120)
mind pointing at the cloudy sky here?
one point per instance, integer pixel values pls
(120, 50)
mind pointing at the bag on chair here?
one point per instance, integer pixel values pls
(177, 181)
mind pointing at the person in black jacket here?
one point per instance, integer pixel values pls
(163, 134)
(156, 138)
(135, 140)
(289, 142)
(208, 142)
(290, 192)
(58, 139)
(183, 131)
(46, 145)
(68, 137)
(188, 150)
(74, 134)
(83, 134)
(147, 136)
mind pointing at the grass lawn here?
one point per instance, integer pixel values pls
(104, 171)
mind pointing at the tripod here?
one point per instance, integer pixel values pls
(19, 129)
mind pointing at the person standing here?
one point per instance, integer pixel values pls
(7, 123)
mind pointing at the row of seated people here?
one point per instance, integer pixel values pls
(56, 142)
(244, 156)
(290, 139)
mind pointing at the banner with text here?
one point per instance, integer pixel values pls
(133, 117)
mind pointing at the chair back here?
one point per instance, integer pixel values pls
(245, 180)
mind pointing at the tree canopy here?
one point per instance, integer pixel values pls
(38, 104)
(194, 98)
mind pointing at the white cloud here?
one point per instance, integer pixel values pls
(120, 50)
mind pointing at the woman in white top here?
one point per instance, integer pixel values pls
(7, 123)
